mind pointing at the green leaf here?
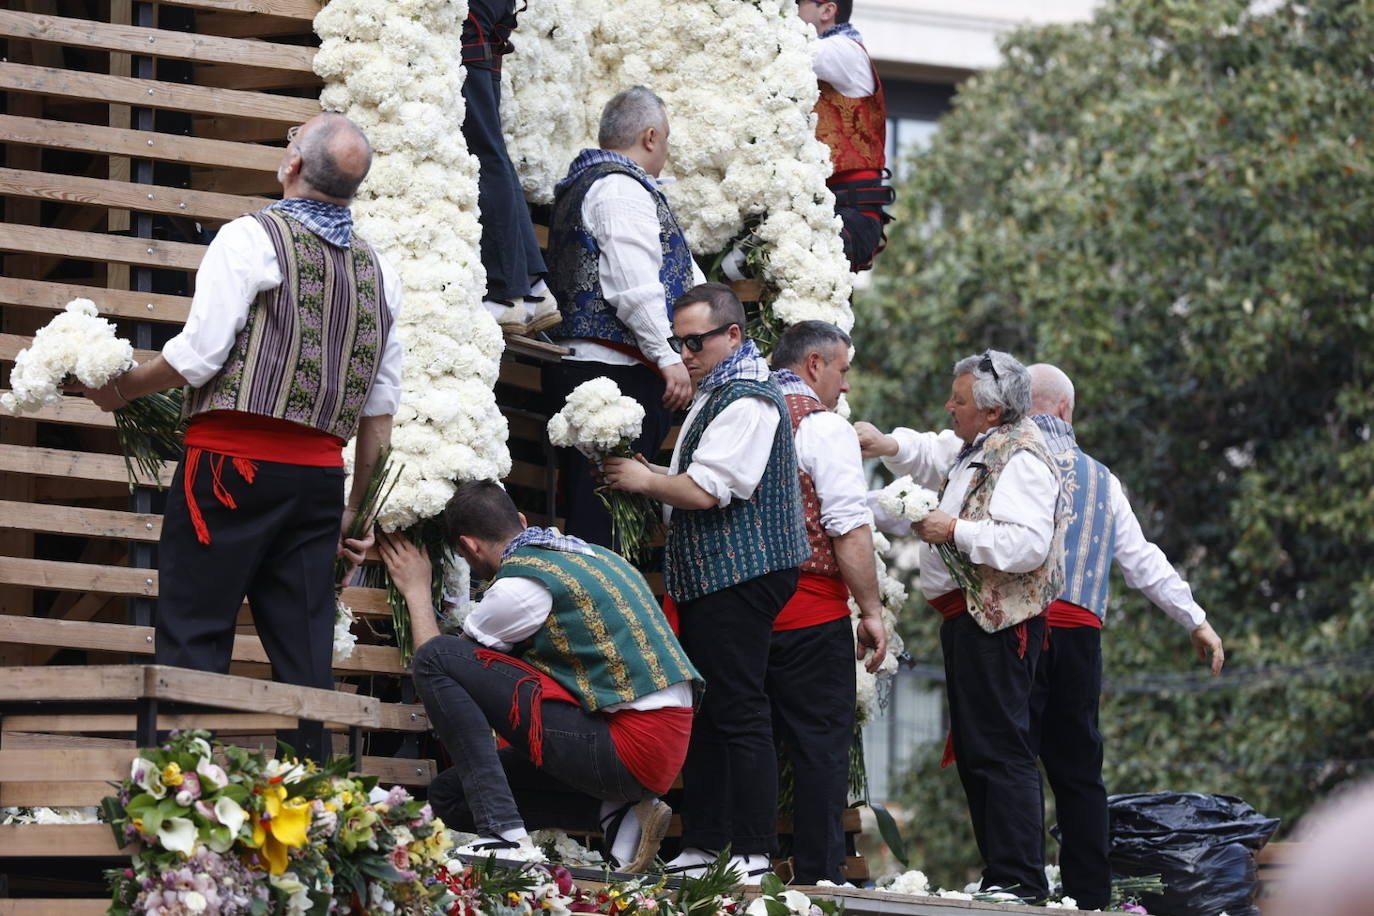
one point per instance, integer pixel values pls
(887, 828)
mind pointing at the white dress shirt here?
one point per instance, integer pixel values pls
(1017, 535)
(843, 63)
(1144, 566)
(514, 608)
(623, 218)
(828, 450)
(239, 264)
(733, 451)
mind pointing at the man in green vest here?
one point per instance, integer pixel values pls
(735, 541)
(569, 659)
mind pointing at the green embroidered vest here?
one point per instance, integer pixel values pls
(311, 347)
(1007, 599)
(711, 549)
(606, 639)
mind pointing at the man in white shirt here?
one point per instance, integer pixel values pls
(851, 119)
(735, 539)
(812, 654)
(617, 262)
(569, 659)
(1068, 678)
(282, 367)
(999, 513)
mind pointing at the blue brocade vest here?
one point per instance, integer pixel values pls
(1090, 541)
(574, 259)
(711, 549)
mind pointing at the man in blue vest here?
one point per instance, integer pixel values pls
(1068, 679)
(735, 541)
(567, 657)
(617, 262)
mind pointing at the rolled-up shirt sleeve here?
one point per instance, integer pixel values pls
(732, 455)
(513, 609)
(926, 457)
(828, 450)
(385, 395)
(239, 263)
(1145, 567)
(1019, 530)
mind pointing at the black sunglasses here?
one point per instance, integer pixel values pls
(693, 342)
(986, 366)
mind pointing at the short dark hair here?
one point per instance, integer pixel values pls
(725, 305)
(319, 166)
(806, 337)
(843, 10)
(481, 509)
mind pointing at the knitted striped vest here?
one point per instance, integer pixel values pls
(310, 349)
(711, 549)
(1090, 542)
(1007, 599)
(575, 260)
(822, 561)
(606, 639)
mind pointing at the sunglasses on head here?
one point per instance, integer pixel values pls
(985, 365)
(693, 342)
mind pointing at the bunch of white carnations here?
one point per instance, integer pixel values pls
(76, 343)
(344, 640)
(903, 498)
(892, 594)
(392, 66)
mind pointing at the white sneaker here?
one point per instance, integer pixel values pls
(541, 314)
(509, 316)
(751, 869)
(692, 862)
(521, 850)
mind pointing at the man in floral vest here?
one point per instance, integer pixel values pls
(1000, 510)
(735, 540)
(288, 352)
(1068, 680)
(851, 119)
(569, 658)
(811, 658)
(617, 262)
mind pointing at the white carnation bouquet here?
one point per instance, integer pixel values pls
(600, 422)
(904, 499)
(79, 344)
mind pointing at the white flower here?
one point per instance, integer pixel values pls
(147, 777)
(596, 419)
(796, 901)
(76, 342)
(344, 640)
(230, 814)
(211, 774)
(177, 834)
(194, 901)
(904, 499)
(910, 882)
(284, 771)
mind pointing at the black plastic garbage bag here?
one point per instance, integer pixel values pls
(1202, 846)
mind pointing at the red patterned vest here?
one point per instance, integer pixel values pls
(855, 129)
(822, 560)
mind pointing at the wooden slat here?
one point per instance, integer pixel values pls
(114, 141)
(401, 771)
(288, 9)
(519, 375)
(75, 84)
(76, 189)
(80, 521)
(53, 906)
(224, 691)
(71, 411)
(367, 602)
(100, 682)
(62, 575)
(52, 462)
(114, 303)
(237, 25)
(62, 840)
(68, 765)
(220, 723)
(63, 794)
(524, 474)
(84, 33)
(402, 717)
(94, 246)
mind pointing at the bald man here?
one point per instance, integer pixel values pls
(288, 352)
(1068, 679)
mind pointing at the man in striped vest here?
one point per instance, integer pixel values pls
(811, 658)
(735, 540)
(288, 352)
(1068, 680)
(999, 509)
(569, 658)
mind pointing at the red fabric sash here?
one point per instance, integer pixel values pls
(652, 743)
(950, 604)
(1066, 614)
(818, 599)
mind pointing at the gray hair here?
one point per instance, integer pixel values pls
(1050, 387)
(1006, 384)
(627, 115)
(805, 338)
(335, 156)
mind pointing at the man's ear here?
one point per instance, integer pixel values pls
(468, 543)
(523, 522)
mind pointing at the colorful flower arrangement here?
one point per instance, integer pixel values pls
(252, 835)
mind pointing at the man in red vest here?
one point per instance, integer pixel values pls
(851, 119)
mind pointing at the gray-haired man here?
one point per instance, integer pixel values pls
(999, 508)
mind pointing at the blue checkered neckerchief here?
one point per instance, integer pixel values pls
(790, 382)
(590, 157)
(330, 222)
(844, 30)
(745, 363)
(549, 539)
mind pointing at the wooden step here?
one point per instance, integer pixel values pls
(147, 198)
(141, 144)
(112, 303)
(97, 246)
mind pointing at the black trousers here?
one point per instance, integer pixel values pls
(1064, 730)
(989, 688)
(811, 686)
(730, 778)
(862, 236)
(277, 548)
(509, 249)
(584, 514)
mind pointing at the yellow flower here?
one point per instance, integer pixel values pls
(283, 827)
(171, 775)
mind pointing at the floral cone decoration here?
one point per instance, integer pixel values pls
(737, 78)
(392, 66)
(600, 422)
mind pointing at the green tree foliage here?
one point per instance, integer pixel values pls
(1175, 204)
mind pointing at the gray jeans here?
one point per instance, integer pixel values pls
(486, 791)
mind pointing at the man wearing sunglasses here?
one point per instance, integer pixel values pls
(735, 540)
(1000, 511)
(617, 261)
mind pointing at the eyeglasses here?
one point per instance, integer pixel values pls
(693, 342)
(985, 365)
(292, 132)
